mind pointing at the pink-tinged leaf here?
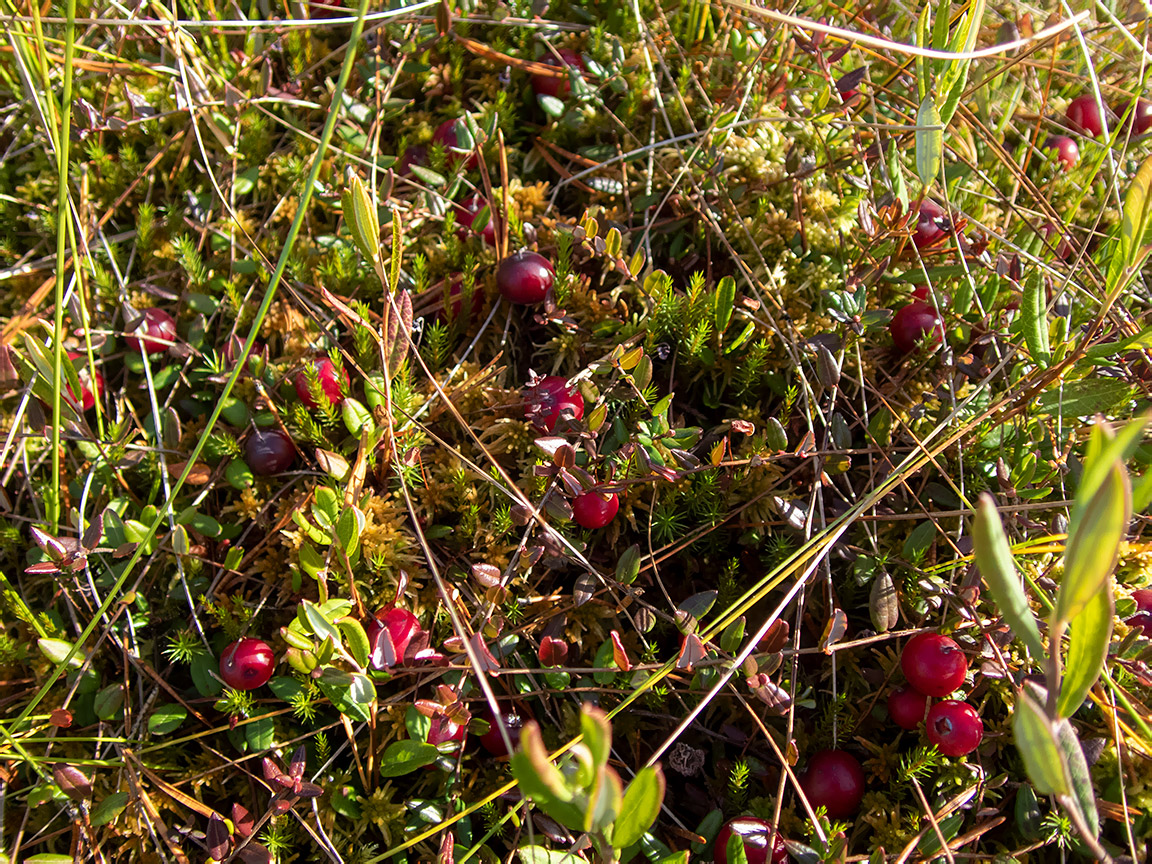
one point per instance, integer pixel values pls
(298, 763)
(273, 774)
(243, 820)
(550, 444)
(553, 652)
(255, 853)
(834, 630)
(217, 838)
(447, 849)
(692, 651)
(48, 543)
(619, 655)
(384, 652)
(484, 656)
(72, 782)
(44, 567)
(486, 574)
(309, 790)
(93, 532)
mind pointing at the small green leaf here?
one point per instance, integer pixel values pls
(357, 418)
(551, 106)
(597, 733)
(57, 649)
(640, 807)
(109, 701)
(1088, 638)
(348, 529)
(1076, 768)
(1083, 398)
(259, 734)
(1036, 741)
(318, 624)
(994, 558)
(104, 812)
(929, 141)
(732, 636)
(725, 299)
(1034, 315)
(1137, 214)
(311, 561)
(362, 690)
(404, 757)
(1093, 544)
(362, 217)
(166, 718)
(628, 567)
(538, 854)
(356, 640)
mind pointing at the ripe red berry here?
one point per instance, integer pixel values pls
(525, 277)
(331, 386)
(1141, 117)
(1084, 114)
(415, 155)
(954, 727)
(155, 333)
(401, 626)
(546, 85)
(87, 397)
(933, 664)
(1143, 620)
(549, 399)
(513, 718)
(446, 135)
(269, 451)
(593, 510)
(906, 706)
(1143, 598)
(458, 304)
(1067, 150)
(932, 224)
(914, 323)
(762, 843)
(247, 664)
(834, 780)
(466, 212)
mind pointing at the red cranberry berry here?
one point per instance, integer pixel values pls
(762, 843)
(525, 277)
(1067, 150)
(1141, 116)
(328, 382)
(931, 226)
(458, 303)
(914, 323)
(954, 727)
(593, 510)
(269, 451)
(155, 333)
(1062, 243)
(445, 134)
(547, 85)
(933, 664)
(415, 155)
(513, 719)
(1143, 620)
(906, 706)
(834, 780)
(247, 664)
(87, 397)
(1084, 114)
(466, 212)
(444, 730)
(401, 626)
(549, 399)
(1143, 598)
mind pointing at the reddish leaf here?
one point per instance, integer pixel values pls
(553, 652)
(217, 838)
(243, 820)
(619, 655)
(692, 651)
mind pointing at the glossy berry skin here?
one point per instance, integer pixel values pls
(914, 323)
(247, 664)
(466, 212)
(401, 625)
(906, 707)
(415, 155)
(328, 381)
(594, 510)
(933, 664)
(1143, 598)
(444, 731)
(1142, 117)
(762, 845)
(1084, 114)
(525, 277)
(1141, 619)
(269, 451)
(834, 780)
(546, 85)
(1067, 150)
(514, 719)
(87, 397)
(445, 134)
(931, 226)
(155, 333)
(954, 727)
(548, 399)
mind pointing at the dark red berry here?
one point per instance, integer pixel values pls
(932, 224)
(933, 664)
(525, 277)
(549, 399)
(269, 451)
(547, 85)
(913, 324)
(954, 727)
(328, 382)
(834, 780)
(1084, 115)
(155, 333)
(1063, 245)
(1141, 619)
(513, 718)
(906, 707)
(247, 664)
(235, 345)
(1143, 598)
(466, 212)
(458, 304)
(87, 397)
(762, 844)
(446, 135)
(593, 510)
(401, 626)
(415, 155)
(1067, 150)
(1141, 117)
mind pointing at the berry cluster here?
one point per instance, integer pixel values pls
(935, 667)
